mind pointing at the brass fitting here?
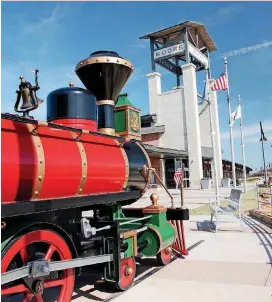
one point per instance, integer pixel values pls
(154, 198)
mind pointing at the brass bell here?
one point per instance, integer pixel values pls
(26, 99)
(28, 104)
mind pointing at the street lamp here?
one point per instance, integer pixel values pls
(263, 139)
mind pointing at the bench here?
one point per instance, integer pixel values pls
(233, 205)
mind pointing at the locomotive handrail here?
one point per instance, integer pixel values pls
(161, 182)
(56, 126)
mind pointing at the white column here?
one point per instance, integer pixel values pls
(217, 137)
(162, 161)
(154, 89)
(192, 125)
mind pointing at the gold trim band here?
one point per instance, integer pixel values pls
(109, 131)
(105, 102)
(126, 163)
(42, 123)
(40, 161)
(84, 164)
(95, 60)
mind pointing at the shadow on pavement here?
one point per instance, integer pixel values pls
(90, 284)
(205, 226)
(263, 235)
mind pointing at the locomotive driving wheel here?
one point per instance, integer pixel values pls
(43, 245)
(164, 256)
(127, 273)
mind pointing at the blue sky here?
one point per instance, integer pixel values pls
(54, 36)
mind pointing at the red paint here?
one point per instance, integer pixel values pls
(106, 166)
(55, 245)
(63, 170)
(126, 279)
(62, 163)
(77, 123)
(179, 245)
(18, 162)
(164, 257)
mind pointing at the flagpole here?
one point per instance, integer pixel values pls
(230, 127)
(212, 137)
(243, 145)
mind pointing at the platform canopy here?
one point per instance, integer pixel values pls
(197, 35)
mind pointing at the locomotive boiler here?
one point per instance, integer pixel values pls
(53, 171)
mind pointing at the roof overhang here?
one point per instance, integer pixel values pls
(164, 152)
(207, 152)
(196, 30)
(155, 129)
(148, 119)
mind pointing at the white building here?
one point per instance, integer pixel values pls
(178, 126)
(172, 123)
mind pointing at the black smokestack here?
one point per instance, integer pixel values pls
(104, 73)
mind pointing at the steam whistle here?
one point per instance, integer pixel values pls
(27, 92)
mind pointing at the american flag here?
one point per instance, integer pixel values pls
(178, 176)
(221, 83)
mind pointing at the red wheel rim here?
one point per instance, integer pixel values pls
(55, 245)
(127, 272)
(166, 256)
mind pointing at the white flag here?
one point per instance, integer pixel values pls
(236, 114)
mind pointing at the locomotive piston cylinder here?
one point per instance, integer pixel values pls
(156, 238)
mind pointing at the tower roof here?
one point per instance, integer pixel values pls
(196, 30)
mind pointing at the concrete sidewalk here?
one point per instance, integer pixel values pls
(225, 267)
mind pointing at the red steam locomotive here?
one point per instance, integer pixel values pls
(53, 171)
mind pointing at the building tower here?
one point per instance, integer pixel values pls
(183, 50)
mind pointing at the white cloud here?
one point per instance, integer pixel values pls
(46, 23)
(137, 75)
(142, 46)
(242, 51)
(36, 34)
(255, 139)
(223, 15)
(251, 132)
